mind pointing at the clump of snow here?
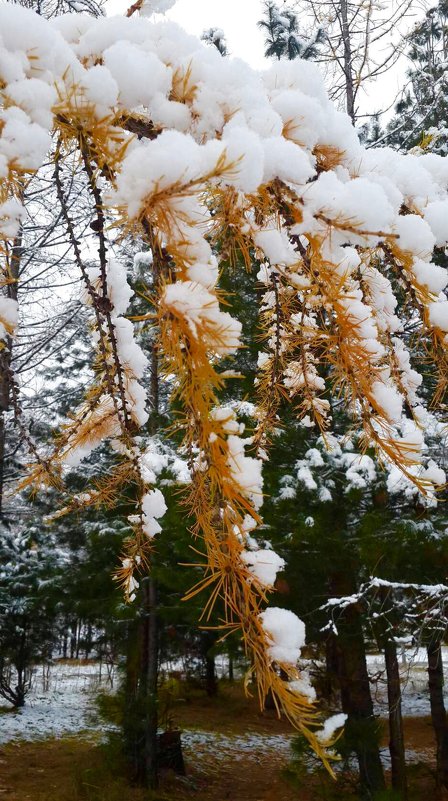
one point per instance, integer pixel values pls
(150, 7)
(11, 214)
(330, 726)
(226, 417)
(432, 276)
(153, 507)
(303, 687)
(245, 470)
(360, 470)
(438, 314)
(8, 316)
(201, 311)
(415, 236)
(388, 400)
(285, 633)
(100, 88)
(276, 247)
(138, 75)
(436, 215)
(264, 565)
(244, 149)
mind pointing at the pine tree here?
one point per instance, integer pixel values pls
(30, 563)
(421, 113)
(216, 37)
(346, 522)
(283, 38)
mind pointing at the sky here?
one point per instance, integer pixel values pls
(238, 19)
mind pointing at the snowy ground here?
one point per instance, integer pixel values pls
(225, 748)
(62, 707)
(414, 677)
(65, 707)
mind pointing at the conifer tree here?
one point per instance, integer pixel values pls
(216, 37)
(283, 38)
(421, 113)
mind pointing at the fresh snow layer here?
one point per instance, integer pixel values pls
(285, 633)
(66, 708)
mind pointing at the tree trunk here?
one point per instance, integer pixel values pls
(22, 669)
(207, 643)
(88, 647)
(5, 361)
(149, 682)
(361, 729)
(144, 714)
(331, 666)
(396, 737)
(438, 713)
(73, 629)
(140, 714)
(64, 643)
(78, 638)
(130, 737)
(348, 71)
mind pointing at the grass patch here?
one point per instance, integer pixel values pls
(7, 710)
(67, 770)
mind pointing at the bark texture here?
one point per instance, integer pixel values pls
(438, 712)
(361, 729)
(396, 736)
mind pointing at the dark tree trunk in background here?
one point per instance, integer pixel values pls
(88, 646)
(330, 680)
(20, 689)
(396, 736)
(150, 666)
(438, 713)
(78, 638)
(384, 628)
(130, 693)
(207, 643)
(140, 717)
(23, 670)
(64, 643)
(348, 56)
(73, 630)
(361, 729)
(145, 750)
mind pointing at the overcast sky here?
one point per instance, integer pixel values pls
(238, 19)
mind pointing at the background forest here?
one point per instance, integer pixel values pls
(361, 552)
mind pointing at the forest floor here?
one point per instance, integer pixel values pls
(233, 752)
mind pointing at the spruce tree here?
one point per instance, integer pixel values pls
(283, 37)
(421, 114)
